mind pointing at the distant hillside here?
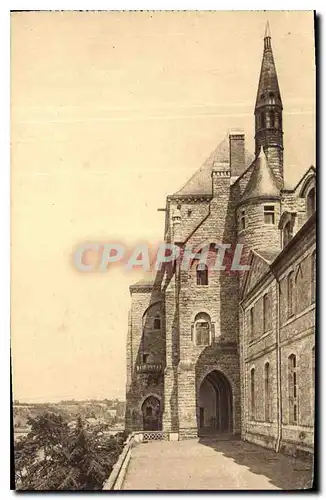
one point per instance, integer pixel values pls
(108, 411)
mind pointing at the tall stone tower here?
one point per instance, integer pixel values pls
(268, 112)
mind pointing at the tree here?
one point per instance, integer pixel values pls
(55, 457)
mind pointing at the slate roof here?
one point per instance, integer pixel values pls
(201, 181)
(268, 82)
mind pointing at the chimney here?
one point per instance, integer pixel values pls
(237, 152)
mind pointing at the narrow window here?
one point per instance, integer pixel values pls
(202, 329)
(292, 389)
(157, 322)
(298, 289)
(290, 281)
(251, 323)
(287, 233)
(202, 275)
(262, 120)
(272, 119)
(252, 393)
(313, 277)
(311, 202)
(269, 214)
(145, 357)
(242, 220)
(266, 312)
(267, 393)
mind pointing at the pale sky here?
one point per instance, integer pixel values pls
(111, 112)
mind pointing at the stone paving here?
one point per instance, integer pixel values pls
(213, 465)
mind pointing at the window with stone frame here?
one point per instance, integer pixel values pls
(299, 287)
(267, 392)
(267, 312)
(313, 277)
(157, 322)
(291, 296)
(202, 274)
(145, 357)
(292, 389)
(269, 214)
(283, 300)
(203, 330)
(251, 324)
(252, 395)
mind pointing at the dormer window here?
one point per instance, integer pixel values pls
(286, 226)
(269, 214)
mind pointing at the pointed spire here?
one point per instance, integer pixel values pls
(262, 182)
(268, 82)
(267, 37)
(267, 31)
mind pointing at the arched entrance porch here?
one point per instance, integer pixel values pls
(152, 417)
(214, 405)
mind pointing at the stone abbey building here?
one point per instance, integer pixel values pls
(218, 351)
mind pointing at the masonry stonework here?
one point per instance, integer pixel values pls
(211, 350)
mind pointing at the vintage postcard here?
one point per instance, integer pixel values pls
(163, 172)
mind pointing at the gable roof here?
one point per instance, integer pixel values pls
(259, 262)
(201, 182)
(310, 172)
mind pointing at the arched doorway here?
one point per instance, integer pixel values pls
(151, 410)
(214, 405)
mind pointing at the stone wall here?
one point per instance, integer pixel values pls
(292, 333)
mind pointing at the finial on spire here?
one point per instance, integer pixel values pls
(267, 31)
(267, 37)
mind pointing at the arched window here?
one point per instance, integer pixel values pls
(287, 233)
(203, 329)
(311, 202)
(251, 326)
(267, 392)
(292, 389)
(266, 312)
(313, 277)
(202, 275)
(157, 322)
(252, 394)
(299, 303)
(290, 281)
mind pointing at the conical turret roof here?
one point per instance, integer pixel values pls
(262, 183)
